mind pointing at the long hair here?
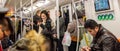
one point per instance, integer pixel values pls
(48, 20)
(46, 13)
(48, 29)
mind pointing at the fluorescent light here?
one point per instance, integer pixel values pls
(34, 7)
(38, 4)
(29, 8)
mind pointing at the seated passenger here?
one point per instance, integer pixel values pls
(103, 39)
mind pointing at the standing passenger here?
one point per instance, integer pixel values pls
(36, 19)
(72, 29)
(48, 27)
(62, 29)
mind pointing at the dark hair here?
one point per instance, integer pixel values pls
(90, 24)
(60, 13)
(48, 21)
(2, 15)
(46, 13)
(80, 14)
(13, 16)
(8, 24)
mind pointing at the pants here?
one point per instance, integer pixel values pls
(72, 47)
(59, 44)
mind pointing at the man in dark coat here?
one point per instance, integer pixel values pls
(62, 29)
(103, 39)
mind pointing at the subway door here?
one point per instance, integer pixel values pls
(66, 13)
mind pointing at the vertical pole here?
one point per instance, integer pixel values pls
(32, 12)
(15, 22)
(21, 18)
(57, 7)
(77, 26)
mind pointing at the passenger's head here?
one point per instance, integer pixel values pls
(45, 15)
(59, 13)
(79, 13)
(38, 12)
(5, 28)
(13, 18)
(92, 27)
(5, 25)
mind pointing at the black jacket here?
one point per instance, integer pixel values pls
(104, 41)
(35, 20)
(48, 32)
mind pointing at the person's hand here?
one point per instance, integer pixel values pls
(55, 35)
(39, 23)
(85, 48)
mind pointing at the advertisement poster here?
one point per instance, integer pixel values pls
(101, 5)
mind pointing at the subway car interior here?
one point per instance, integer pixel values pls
(59, 25)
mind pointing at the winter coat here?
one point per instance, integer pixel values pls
(104, 41)
(62, 27)
(35, 20)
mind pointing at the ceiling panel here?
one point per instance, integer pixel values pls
(13, 3)
(52, 4)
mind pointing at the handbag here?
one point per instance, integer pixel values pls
(66, 39)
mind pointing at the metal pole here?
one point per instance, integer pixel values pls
(57, 7)
(21, 18)
(32, 12)
(15, 23)
(77, 26)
